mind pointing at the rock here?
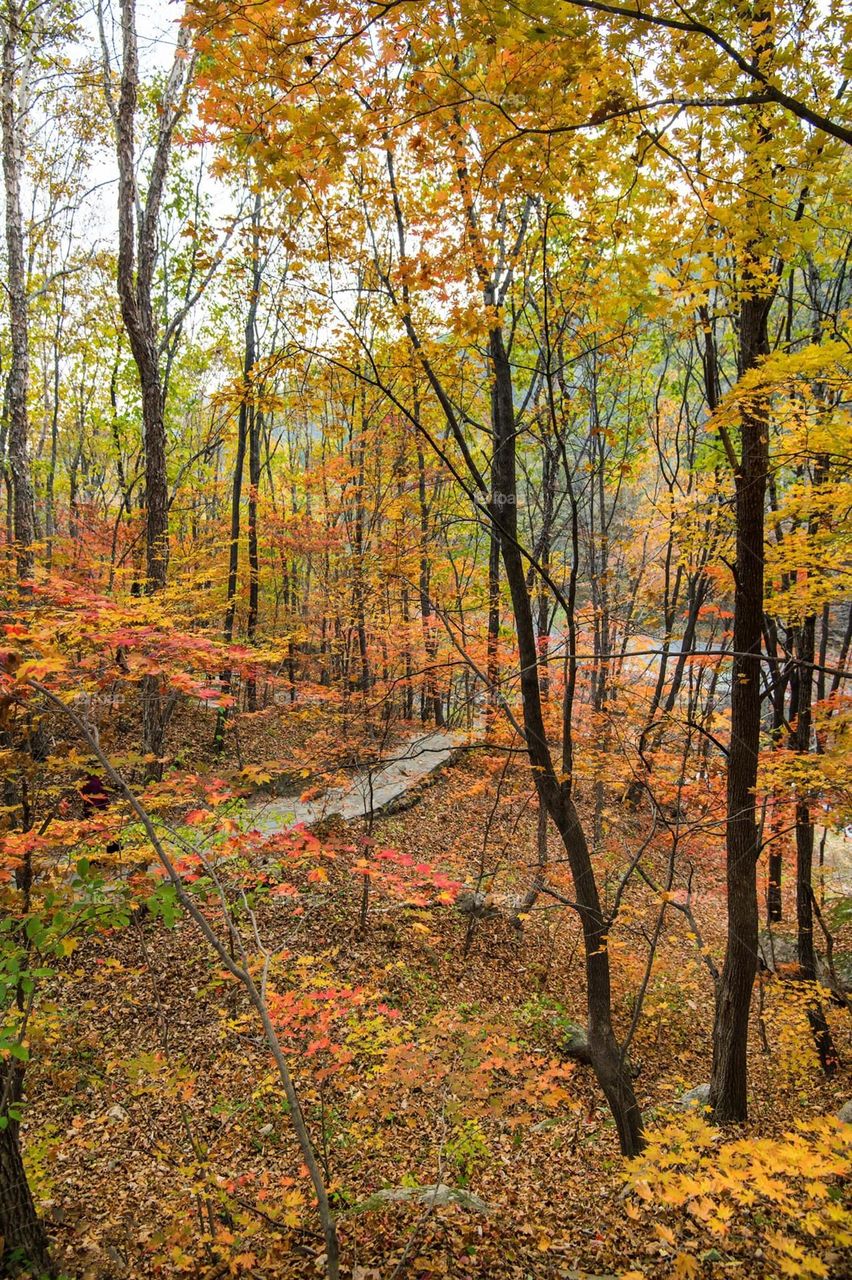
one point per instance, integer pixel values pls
(774, 950)
(117, 1113)
(486, 906)
(844, 1115)
(435, 1195)
(576, 1043)
(695, 1100)
(473, 902)
(843, 971)
(517, 907)
(777, 951)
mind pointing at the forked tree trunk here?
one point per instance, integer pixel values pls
(137, 255)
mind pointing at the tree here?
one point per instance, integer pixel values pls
(18, 47)
(138, 219)
(247, 437)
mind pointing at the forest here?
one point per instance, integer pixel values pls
(426, 466)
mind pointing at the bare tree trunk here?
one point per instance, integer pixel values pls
(234, 541)
(820, 1030)
(608, 1061)
(23, 1242)
(432, 697)
(18, 379)
(134, 289)
(247, 435)
(804, 827)
(493, 641)
(50, 496)
(358, 457)
(544, 549)
(729, 1080)
(137, 256)
(255, 422)
(774, 901)
(255, 432)
(780, 681)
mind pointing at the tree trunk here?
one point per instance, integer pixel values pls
(247, 435)
(253, 544)
(255, 431)
(18, 380)
(359, 586)
(804, 827)
(774, 901)
(23, 1241)
(820, 1030)
(234, 541)
(50, 495)
(545, 548)
(728, 1087)
(137, 257)
(134, 278)
(492, 669)
(607, 1058)
(431, 700)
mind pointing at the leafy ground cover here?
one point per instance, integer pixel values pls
(427, 1052)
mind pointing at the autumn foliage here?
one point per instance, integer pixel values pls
(424, 707)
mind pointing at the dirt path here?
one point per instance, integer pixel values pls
(371, 791)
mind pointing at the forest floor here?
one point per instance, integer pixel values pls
(157, 1141)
